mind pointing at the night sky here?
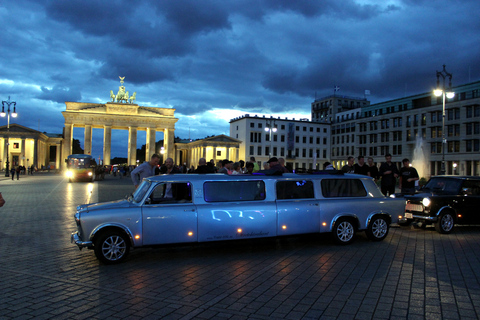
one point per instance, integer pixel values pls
(215, 60)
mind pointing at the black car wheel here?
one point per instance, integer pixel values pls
(445, 223)
(112, 247)
(343, 231)
(377, 229)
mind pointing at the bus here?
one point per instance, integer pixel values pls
(80, 167)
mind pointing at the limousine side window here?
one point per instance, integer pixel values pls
(222, 191)
(295, 189)
(171, 193)
(333, 188)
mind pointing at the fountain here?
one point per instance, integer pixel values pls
(420, 159)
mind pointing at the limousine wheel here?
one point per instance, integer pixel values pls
(112, 247)
(343, 231)
(445, 223)
(378, 229)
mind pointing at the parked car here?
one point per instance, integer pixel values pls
(445, 201)
(180, 208)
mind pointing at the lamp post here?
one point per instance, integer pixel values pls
(14, 115)
(270, 127)
(445, 93)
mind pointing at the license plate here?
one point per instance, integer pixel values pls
(408, 215)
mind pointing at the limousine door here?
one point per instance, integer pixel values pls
(298, 210)
(169, 216)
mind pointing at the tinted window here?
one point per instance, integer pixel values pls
(297, 189)
(332, 188)
(221, 191)
(443, 185)
(171, 193)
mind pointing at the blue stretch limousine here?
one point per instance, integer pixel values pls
(181, 208)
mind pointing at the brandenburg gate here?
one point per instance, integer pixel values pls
(119, 114)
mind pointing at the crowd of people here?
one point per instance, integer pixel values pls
(387, 174)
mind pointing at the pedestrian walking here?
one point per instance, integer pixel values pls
(12, 172)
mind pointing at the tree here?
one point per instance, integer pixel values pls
(76, 149)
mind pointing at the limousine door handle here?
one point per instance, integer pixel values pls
(314, 204)
(189, 210)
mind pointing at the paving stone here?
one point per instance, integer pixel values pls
(411, 274)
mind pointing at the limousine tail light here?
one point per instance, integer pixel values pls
(137, 237)
(324, 224)
(284, 227)
(239, 230)
(190, 234)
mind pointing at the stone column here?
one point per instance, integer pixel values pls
(67, 145)
(58, 156)
(214, 155)
(88, 139)
(22, 159)
(168, 143)
(237, 154)
(228, 153)
(150, 146)
(132, 146)
(107, 144)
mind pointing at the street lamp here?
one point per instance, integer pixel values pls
(446, 93)
(14, 115)
(270, 127)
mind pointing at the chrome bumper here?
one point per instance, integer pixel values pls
(75, 238)
(409, 215)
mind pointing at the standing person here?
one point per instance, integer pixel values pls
(255, 164)
(12, 172)
(388, 173)
(408, 176)
(237, 168)
(169, 167)
(372, 169)
(281, 161)
(203, 167)
(348, 168)
(18, 172)
(249, 168)
(146, 169)
(32, 168)
(361, 167)
(275, 165)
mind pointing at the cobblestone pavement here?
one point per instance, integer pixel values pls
(412, 274)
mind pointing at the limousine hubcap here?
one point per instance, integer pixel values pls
(114, 247)
(345, 231)
(379, 228)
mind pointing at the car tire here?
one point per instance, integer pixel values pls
(378, 228)
(445, 223)
(343, 231)
(112, 247)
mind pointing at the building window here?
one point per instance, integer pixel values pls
(252, 150)
(259, 151)
(252, 125)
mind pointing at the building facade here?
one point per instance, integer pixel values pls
(303, 143)
(411, 127)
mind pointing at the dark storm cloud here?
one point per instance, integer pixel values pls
(60, 94)
(214, 60)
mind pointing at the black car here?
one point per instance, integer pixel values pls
(445, 201)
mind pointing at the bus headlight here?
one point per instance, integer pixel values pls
(90, 173)
(69, 174)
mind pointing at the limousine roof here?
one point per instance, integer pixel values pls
(262, 176)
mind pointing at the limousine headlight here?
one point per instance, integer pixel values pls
(69, 174)
(90, 173)
(426, 202)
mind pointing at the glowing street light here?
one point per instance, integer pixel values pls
(14, 115)
(446, 93)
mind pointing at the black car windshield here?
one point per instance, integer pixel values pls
(443, 185)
